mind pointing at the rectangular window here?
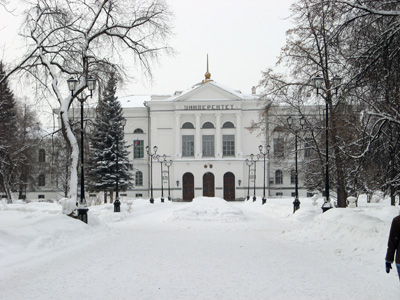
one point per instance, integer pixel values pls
(307, 147)
(139, 178)
(279, 147)
(187, 145)
(42, 155)
(42, 180)
(208, 145)
(138, 149)
(293, 177)
(228, 145)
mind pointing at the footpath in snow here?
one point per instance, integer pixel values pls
(205, 249)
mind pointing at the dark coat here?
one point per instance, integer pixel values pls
(393, 242)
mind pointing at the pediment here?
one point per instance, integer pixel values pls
(209, 91)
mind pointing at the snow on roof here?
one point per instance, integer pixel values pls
(226, 88)
(134, 100)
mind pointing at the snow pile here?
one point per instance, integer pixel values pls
(208, 209)
(106, 213)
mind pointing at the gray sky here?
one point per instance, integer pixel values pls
(241, 37)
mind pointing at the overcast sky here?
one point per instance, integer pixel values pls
(241, 37)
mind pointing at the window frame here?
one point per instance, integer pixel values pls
(187, 145)
(208, 145)
(42, 155)
(138, 151)
(42, 180)
(228, 146)
(138, 178)
(278, 177)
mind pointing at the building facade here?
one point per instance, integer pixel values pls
(208, 138)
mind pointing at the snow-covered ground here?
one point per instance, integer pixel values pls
(206, 249)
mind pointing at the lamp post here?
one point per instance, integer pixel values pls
(91, 83)
(151, 155)
(255, 173)
(162, 182)
(264, 200)
(117, 203)
(296, 202)
(168, 163)
(318, 84)
(249, 164)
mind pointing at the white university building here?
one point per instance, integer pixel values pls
(205, 132)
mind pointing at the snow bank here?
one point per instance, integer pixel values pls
(36, 228)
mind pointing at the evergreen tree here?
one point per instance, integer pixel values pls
(108, 145)
(8, 137)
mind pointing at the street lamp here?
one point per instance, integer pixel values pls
(91, 84)
(168, 163)
(117, 203)
(264, 200)
(318, 84)
(255, 172)
(249, 164)
(296, 202)
(151, 155)
(162, 182)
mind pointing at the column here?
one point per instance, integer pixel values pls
(197, 138)
(238, 140)
(178, 138)
(218, 137)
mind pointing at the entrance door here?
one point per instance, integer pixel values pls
(187, 187)
(208, 185)
(229, 186)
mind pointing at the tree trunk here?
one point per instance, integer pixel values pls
(73, 146)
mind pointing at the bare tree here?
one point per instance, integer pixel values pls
(312, 49)
(371, 31)
(84, 38)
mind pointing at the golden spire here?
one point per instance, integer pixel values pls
(208, 74)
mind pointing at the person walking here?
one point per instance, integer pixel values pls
(393, 246)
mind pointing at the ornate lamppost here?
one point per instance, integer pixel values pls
(318, 84)
(249, 164)
(254, 161)
(151, 156)
(296, 202)
(268, 147)
(91, 84)
(168, 164)
(162, 182)
(117, 203)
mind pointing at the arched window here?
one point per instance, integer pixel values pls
(208, 125)
(139, 178)
(138, 130)
(228, 125)
(187, 125)
(42, 155)
(42, 180)
(278, 177)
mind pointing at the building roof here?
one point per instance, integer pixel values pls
(133, 101)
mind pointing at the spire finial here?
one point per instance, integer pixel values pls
(208, 74)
